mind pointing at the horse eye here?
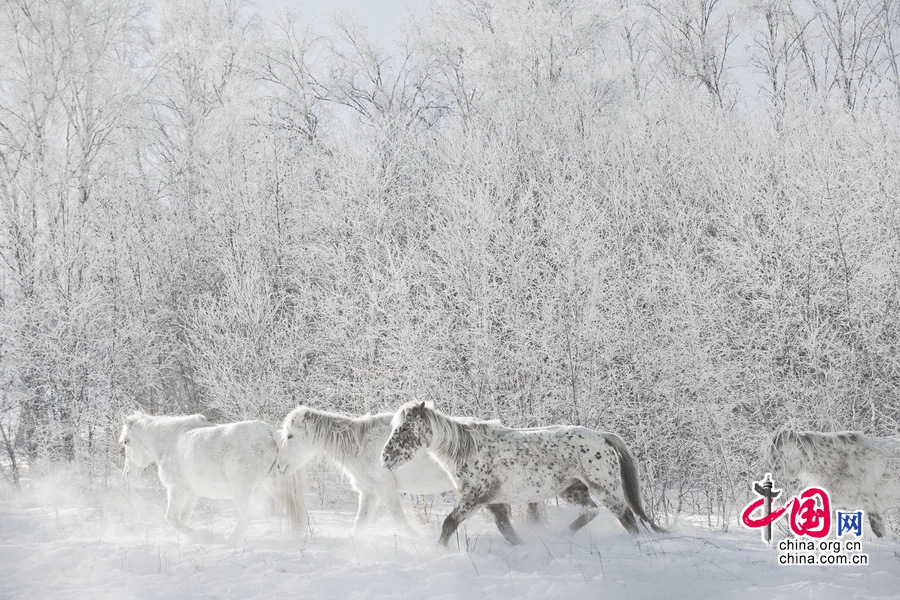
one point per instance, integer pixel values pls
(290, 436)
(125, 441)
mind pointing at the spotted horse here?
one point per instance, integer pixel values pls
(495, 465)
(858, 471)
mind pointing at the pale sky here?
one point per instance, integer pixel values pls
(380, 15)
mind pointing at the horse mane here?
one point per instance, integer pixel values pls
(167, 421)
(807, 441)
(337, 436)
(162, 427)
(455, 438)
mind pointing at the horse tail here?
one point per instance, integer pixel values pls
(631, 484)
(289, 490)
(292, 496)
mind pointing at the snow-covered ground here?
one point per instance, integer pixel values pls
(57, 542)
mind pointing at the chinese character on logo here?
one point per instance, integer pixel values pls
(810, 511)
(807, 518)
(849, 522)
(765, 489)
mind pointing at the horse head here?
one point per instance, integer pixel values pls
(411, 430)
(785, 453)
(132, 440)
(294, 441)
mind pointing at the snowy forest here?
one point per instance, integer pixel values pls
(674, 220)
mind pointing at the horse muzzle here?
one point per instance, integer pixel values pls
(388, 461)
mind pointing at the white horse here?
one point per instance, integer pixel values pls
(197, 458)
(493, 464)
(853, 468)
(355, 444)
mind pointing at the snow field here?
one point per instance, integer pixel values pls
(116, 544)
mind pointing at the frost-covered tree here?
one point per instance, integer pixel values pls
(672, 221)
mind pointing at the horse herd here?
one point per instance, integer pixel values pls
(420, 450)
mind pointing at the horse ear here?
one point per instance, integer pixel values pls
(298, 415)
(421, 407)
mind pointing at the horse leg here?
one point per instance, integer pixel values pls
(577, 494)
(367, 502)
(391, 499)
(876, 523)
(616, 505)
(460, 512)
(188, 503)
(501, 518)
(535, 513)
(242, 502)
(174, 504)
